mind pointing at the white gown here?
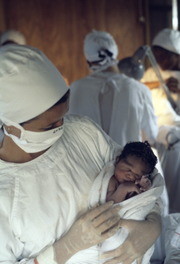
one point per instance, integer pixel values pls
(121, 105)
(167, 118)
(167, 249)
(40, 199)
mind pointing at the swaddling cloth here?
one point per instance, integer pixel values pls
(136, 208)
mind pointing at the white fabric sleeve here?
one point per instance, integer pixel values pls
(172, 238)
(23, 261)
(46, 257)
(159, 203)
(26, 261)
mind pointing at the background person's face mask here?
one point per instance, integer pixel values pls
(32, 142)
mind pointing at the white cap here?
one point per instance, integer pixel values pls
(168, 39)
(97, 41)
(12, 35)
(29, 83)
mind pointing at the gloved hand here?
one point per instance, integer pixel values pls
(90, 229)
(142, 235)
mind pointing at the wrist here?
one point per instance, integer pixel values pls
(64, 250)
(46, 257)
(155, 223)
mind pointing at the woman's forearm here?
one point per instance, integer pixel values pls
(154, 224)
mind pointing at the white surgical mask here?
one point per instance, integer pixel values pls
(32, 142)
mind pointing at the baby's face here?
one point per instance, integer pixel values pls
(130, 169)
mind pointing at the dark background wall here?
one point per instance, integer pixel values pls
(58, 27)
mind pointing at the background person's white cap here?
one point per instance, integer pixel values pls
(168, 39)
(12, 35)
(29, 83)
(96, 41)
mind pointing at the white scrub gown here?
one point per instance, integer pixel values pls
(171, 168)
(170, 156)
(121, 105)
(40, 199)
(167, 248)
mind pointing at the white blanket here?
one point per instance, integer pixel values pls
(136, 208)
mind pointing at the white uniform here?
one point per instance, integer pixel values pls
(167, 249)
(167, 118)
(40, 199)
(120, 105)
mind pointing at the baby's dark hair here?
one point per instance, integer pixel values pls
(141, 150)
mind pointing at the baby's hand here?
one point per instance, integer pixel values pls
(130, 187)
(144, 183)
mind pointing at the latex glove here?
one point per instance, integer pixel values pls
(90, 229)
(142, 235)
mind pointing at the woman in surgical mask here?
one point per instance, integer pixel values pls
(48, 164)
(36, 135)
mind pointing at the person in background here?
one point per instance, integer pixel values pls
(120, 105)
(12, 37)
(166, 48)
(45, 177)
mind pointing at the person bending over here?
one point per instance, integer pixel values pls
(37, 135)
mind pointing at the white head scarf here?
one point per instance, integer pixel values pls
(100, 47)
(29, 83)
(12, 35)
(168, 39)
